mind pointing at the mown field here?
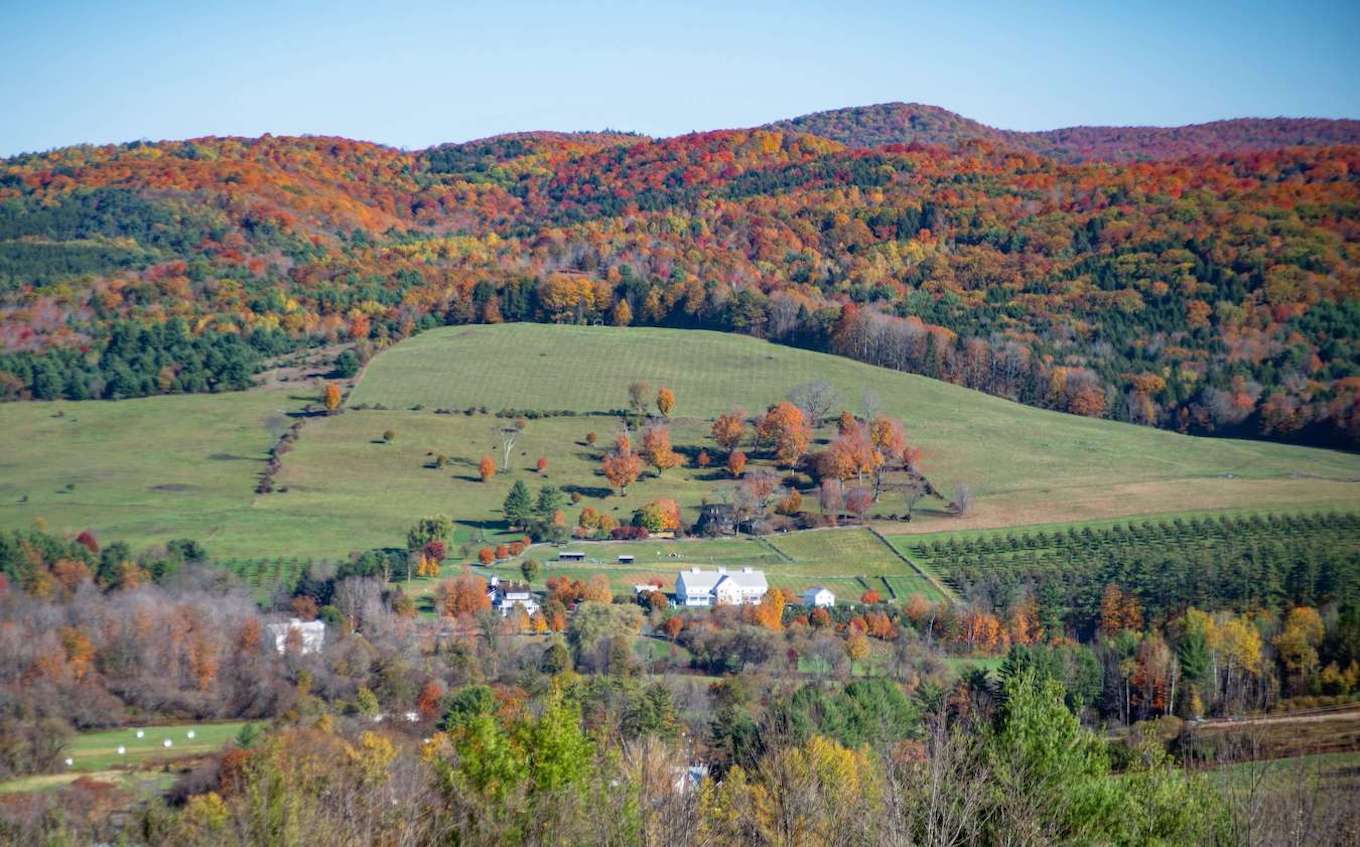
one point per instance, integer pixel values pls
(95, 753)
(1027, 465)
(98, 750)
(148, 470)
(849, 561)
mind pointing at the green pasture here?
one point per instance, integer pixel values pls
(98, 750)
(148, 470)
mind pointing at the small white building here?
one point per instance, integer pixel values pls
(819, 597)
(311, 635)
(505, 596)
(698, 587)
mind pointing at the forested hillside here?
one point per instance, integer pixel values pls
(1211, 292)
(916, 123)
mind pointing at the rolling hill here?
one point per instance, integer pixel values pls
(1215, 289)
(917, 123)
(79, 465)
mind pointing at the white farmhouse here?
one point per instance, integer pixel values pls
(311, 635)
(697, 587)
(819, 597)
(505, 596)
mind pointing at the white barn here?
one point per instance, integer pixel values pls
(697, 587)
(819, 597)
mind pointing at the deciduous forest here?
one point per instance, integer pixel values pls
(1201, 278)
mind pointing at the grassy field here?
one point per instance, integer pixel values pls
(848, 561)
(1026, 465)
(95, 754)
(146, 470)
(149, 470)
(98, 751)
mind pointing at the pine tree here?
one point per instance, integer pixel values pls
(518, 506)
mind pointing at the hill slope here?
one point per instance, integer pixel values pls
(79, 465)
(1215, 294)
(1027, 464)
(917, 123)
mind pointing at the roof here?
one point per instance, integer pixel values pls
(818, 589)
(699, 581)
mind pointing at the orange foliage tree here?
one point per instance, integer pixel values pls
(665, 401)
(462, 596)
(729, 429)
(736, 463)
(622, 467)
(487, 468)
(786, 429)
(656, 444)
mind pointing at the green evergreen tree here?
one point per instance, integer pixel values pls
(518, 506)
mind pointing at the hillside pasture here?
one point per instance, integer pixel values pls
(148, 470)
(1025, 465)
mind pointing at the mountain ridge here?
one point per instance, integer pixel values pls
(906, 123)
(1215, 292)
(902, 123)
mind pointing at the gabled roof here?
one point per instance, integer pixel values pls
(698, 581)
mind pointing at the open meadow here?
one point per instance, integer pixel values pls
(148, 470)
(849, 561)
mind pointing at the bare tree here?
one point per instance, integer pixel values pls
(639, 398)
(506, 435)
(817, 399)
(870, 404)
(962, 503)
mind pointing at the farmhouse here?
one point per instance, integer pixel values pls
(310, 635)
(505, 596)
(716, 519)
(819, 597)
(697, 587)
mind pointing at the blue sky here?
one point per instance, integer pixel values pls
(421, 72)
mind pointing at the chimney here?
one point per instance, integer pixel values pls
(722, 570)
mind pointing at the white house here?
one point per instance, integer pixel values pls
(819, 597)
(311, 635)
(697, 587)
(505, 596)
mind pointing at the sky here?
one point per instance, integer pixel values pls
(423, 73)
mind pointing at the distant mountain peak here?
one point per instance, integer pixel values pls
(907, 123)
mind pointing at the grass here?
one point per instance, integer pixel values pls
(1026, 465)
(131, 780)
(98, 750)
(148, 470)
(796, 561)
(95, 754)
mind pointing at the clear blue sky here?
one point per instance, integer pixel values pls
(421, 73)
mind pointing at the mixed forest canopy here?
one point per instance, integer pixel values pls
(1198, 278)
